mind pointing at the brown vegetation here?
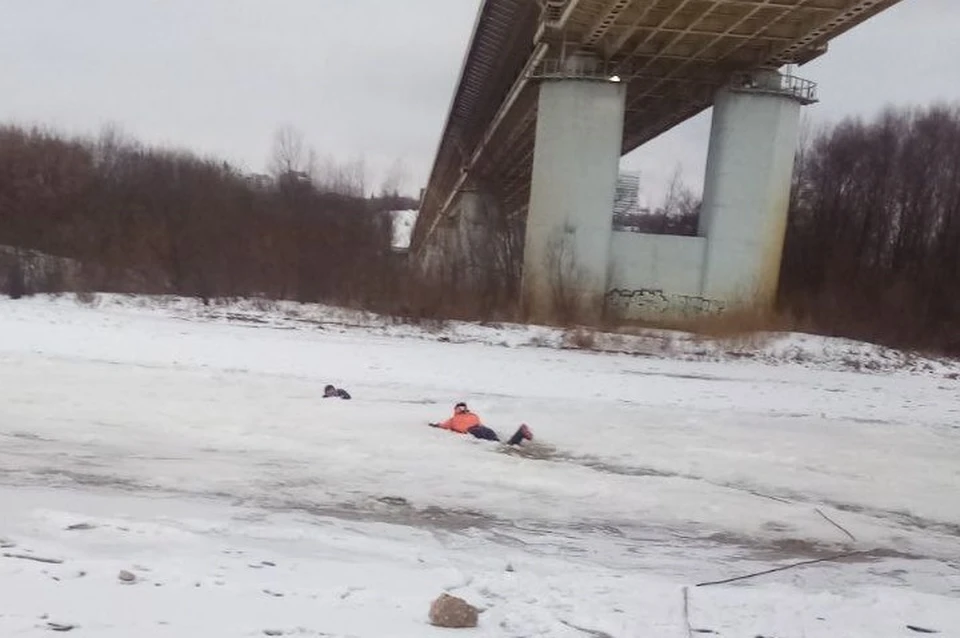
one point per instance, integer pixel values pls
(580, 339)
(873, 243)
(150, 220)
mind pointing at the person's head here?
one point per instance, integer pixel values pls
(329, 391)
(460, 408)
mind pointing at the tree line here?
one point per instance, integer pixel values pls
(873, 240)
(144, 219)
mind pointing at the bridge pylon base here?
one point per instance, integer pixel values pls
(746, 196)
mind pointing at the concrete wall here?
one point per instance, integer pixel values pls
(657, 276)
(746, 194)
(667, 262)
(473, 235)
(575, 167)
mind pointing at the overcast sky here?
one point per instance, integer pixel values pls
(362, 78)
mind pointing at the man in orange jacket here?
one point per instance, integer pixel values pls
(464, 421)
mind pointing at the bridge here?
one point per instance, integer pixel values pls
(553, 92)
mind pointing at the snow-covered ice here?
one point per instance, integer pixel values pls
(191, 445)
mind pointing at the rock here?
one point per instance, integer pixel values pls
(273, 632)
(126, 576)
(80, 527)
(452, 612)
(55, 626)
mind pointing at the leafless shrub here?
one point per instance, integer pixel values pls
(539, 341)
(87, 298)
(580, 338)
(263, 305)
(570, 304)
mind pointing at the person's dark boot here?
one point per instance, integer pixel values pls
(522, 434)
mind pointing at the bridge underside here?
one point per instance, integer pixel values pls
(673, 56)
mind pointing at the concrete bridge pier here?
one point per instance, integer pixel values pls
(576, 158)
(456, 252)
(747, 186)
(472, 234)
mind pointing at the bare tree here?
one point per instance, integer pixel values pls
(290, 154)
(394, 179)
(567, 279)
(874, 229)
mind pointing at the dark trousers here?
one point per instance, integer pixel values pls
(483, 432)
(487, 434)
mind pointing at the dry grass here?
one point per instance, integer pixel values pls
(580, 338)
(747, 327)
(738, 323)
(87, 298)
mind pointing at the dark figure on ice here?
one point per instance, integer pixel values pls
(331, 392)
(464, 421)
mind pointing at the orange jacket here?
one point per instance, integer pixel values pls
(461, 422)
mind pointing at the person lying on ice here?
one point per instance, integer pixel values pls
(464, 421)
(331, 391)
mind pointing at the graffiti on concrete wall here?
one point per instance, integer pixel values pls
(650, 302)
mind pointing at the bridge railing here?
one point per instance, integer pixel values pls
(801, 89)
(574, 67)
(588, 68)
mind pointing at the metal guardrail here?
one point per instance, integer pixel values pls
(574, 68)
(552, 11)
(586, 68)
(803, 90)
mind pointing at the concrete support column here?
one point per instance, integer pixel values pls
(573, 188)
(471, 236)
(747, 186)
(470, 211)
(434, 258)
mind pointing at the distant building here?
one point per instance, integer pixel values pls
(627, 200)
(628, 209)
